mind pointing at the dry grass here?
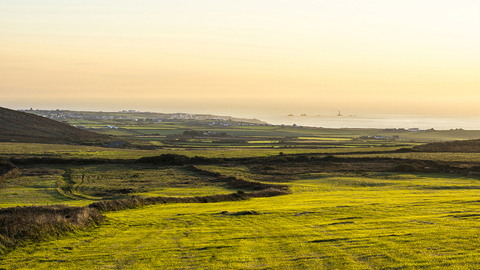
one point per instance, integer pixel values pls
(35, 223)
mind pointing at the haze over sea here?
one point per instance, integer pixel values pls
(378, 121)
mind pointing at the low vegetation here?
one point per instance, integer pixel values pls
(135, 201)
(467, 146)
(20, 225)
(7, 169)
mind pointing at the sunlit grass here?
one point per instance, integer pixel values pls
(268, 142)
(33, 190)
(384, 221)
(149, 128)
(325, 138)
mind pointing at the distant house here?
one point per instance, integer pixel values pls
(396, 137)
(413, 129)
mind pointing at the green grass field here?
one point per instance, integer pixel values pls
(8, 149)
(383, 221)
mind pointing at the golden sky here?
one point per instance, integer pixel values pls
(242, 57)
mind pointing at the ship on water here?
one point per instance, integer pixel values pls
(339, 114)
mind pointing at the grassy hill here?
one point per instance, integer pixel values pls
(23, 127)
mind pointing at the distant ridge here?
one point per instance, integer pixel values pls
(466, 146)
(24, 127)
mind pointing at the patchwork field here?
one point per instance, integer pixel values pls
(337, 202)
(88, 152)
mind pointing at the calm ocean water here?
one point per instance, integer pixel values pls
(379, 121)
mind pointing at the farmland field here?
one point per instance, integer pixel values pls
(80, 151)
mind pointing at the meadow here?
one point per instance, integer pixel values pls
(332, 221)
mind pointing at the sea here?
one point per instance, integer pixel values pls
(377, 121)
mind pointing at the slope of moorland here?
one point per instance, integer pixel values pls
(23, 127)
(467, 146)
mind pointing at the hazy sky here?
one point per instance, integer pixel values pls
(242, 57)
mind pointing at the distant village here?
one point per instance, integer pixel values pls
(138, 116)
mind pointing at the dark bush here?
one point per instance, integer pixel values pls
(4, 160)
(405, 167)
(302, 158)
(175, 159)
(8, 170)
(279, 159)
(329, 158)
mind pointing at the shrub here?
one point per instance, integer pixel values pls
(302, 158)
(8, 170)
(329, 158)
(279, 159)
(405, 167)
(175, 159)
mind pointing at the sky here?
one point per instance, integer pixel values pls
(242, 58)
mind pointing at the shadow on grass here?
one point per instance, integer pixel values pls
(448, 187)
(328, 240)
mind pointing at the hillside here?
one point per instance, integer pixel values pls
(23, 127)
(466, 146)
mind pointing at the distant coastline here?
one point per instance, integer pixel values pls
(377, 121)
